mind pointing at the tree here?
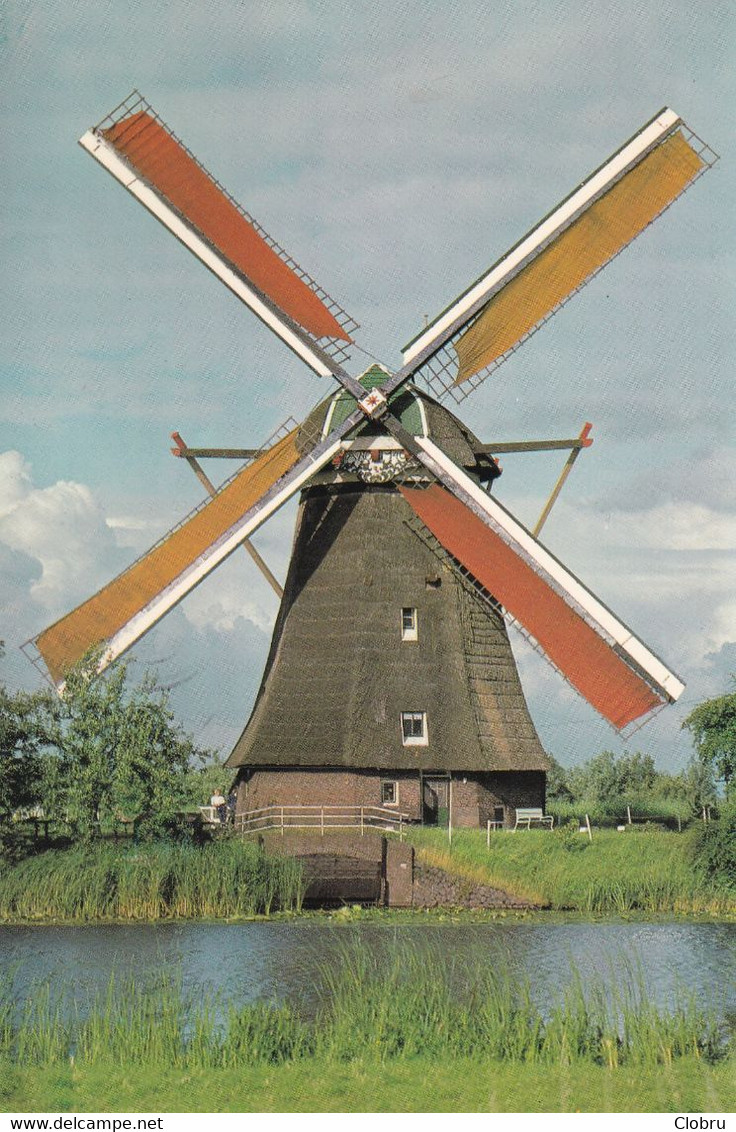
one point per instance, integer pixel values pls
(613, 781)
(699, 785)
(713, 727)
(636, 774)
(597, 780)
(558, 789)
(25, 730)
(119, 753)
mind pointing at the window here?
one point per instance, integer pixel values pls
(414, 728)
(408, 624)
(389, 793)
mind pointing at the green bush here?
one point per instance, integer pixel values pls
(570, 837)
(715, 848)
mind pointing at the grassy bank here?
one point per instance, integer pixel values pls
(160, 881)
(411, 1033)
(639, 870)
(646, 871)
(419, 1085)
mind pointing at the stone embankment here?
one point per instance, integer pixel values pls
(434, 888)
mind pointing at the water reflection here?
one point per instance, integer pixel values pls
(276, 961)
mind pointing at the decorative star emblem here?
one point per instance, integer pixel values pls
(374, 404)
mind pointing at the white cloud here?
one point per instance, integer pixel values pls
(673, 526)
(15, 481)
(237, 592)
(57, 548)
(704, 476)
(237, 595)
(60, 528)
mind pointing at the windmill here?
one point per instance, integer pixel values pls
(390, 677)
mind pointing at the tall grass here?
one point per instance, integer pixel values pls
(639, 870)
(413, 1005)
(163, 881)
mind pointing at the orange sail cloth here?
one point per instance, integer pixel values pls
(100, 617)
(160, 160)
(586, 659)
(589, 243)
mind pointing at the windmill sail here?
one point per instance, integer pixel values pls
(141, 152)
(579, 237)
(600, 656)
(121, 612)
(131, 604)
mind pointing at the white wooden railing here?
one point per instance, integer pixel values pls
(322, 819)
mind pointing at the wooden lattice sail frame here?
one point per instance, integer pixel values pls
(476, 332)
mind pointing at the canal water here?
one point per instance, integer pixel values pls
(274, 961)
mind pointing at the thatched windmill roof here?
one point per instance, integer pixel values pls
(339, 675)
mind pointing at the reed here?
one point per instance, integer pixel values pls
(226, 878)
(419, 1004)
(411, 1004)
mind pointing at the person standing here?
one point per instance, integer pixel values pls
(218, 803)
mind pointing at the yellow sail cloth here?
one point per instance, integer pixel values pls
(102, 616)
(590, 242)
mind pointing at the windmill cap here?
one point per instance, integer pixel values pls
(418, 413)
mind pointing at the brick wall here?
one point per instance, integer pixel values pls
(465, 801)
(474, 796)
(301, 786)
(510, 789)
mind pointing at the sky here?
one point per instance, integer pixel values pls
(396, 150)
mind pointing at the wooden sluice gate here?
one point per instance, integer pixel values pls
(344, 869)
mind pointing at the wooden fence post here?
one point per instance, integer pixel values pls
(587, 822)
(488, 834)
(449, 812)
(282, 821)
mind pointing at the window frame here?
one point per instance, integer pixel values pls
(414, 740)
(409, 632)
(390, 782)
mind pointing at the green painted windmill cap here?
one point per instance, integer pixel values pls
(404, 402)
(418, 412)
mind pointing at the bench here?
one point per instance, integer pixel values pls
(525, 817)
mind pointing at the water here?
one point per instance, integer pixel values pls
(276, 961)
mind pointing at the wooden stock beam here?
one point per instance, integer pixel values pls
(505, 446)
(188, 454)
(212, 453)
(583, 441)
